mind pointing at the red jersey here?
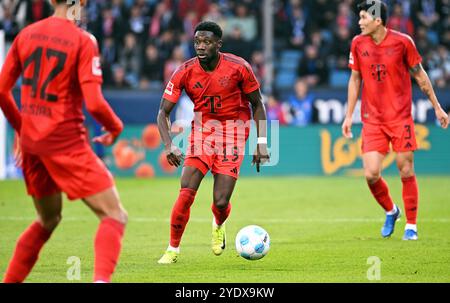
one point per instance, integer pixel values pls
(219, 95)
(384, 68)
(55, 58)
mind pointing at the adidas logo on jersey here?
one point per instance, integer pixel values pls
(198, 85)
(365, 54)
(408, 145)
(234, 170)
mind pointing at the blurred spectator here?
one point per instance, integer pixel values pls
(16, 8)
(439, 66)
(235, 44)
(427, 13)
(258, 65)
(244, 21)
(152, 68)
(341, 46)
(399, 22)
(130, 59)
(201, 7)
(215, 15)
(298, 27)
(119, 79)
(276, 110)
(312, 68)
(162, 20)
(37, 10)
(9, 24)
(301, 104)
(173, 63)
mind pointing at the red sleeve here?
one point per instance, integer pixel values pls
(249, 81)
(10, 73)
(353, 57)
(175, 86)
(99, 108)
(89, 68)
(412, 55)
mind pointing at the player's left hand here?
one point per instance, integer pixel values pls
(260, 156)
(442, 117)
(106, 139)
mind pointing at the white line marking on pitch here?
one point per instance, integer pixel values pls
(202, 220)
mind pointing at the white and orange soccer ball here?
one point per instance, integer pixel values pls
(252, 242)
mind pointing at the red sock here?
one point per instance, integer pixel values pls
(108, 243)
(380, 191)
(410, 198)
(221, 214)
(26, 253)
(180, 215)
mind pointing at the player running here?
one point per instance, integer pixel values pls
(60, 66)
(222, 86)
(384, 59)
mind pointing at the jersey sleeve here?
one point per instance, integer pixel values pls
(412, 55)
(174, 87)
(89, 68)
(10, 72)
(353, 57)
(249, 81)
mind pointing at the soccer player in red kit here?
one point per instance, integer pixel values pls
(60, 66)
(384, 59)
(222, 87)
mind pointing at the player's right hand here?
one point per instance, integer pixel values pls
(442, 117)
(174, 155)
(347, 128)
(106, 139)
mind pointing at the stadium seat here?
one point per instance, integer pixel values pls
(339, 78)
(285, 79)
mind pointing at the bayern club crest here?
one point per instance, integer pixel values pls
(224, 81)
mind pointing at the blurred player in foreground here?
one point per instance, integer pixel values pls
(60, 66)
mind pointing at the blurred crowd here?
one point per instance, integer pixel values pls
(143, 41)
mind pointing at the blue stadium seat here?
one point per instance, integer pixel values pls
(339, 78)
(285, 79)
(288, 60)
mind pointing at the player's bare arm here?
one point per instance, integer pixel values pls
(422, 79)
(354, 86)
(173, 154)
(261, 154)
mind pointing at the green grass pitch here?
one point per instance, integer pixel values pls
(321, 229)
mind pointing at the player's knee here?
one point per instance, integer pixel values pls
(372, 175)
(120, 215)
(51, 222)
(406, 170)
(221, 202)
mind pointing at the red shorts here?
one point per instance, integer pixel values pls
(79, 174)
(376, 137)
(221, 156)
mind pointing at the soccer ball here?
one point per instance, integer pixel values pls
(252, 242)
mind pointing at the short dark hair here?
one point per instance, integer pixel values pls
(370, 7)
(209, 26)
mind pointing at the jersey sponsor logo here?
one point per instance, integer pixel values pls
(350, 59)
(169, 89)
(378, 72)
(96, 66)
